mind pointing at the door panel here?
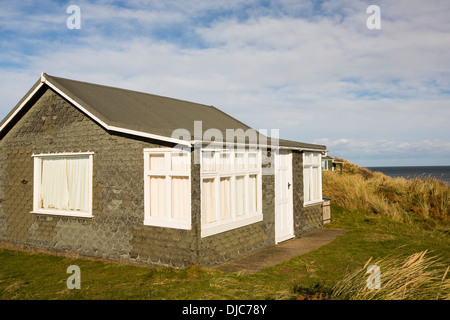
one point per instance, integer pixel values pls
(284, 219)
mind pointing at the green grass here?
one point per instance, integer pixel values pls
(384, 218)
(26, 275)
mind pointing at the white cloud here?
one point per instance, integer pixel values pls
(282, 65)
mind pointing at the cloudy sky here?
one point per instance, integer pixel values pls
(312, 69)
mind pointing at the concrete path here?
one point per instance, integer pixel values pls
(283, 251)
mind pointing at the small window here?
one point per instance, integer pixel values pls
(180, 162)
(226, 161)
(208, 201)
(312, 177)
(240, 195)
(253, 192)
(156, 161)
(252, 160)
(208, 161)
(63, 184)
(225, 198)
(167, 188)
(239, 161)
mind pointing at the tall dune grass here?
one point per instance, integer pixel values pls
(401, 199)
(417, 277)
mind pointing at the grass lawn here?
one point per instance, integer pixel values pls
(25, 275)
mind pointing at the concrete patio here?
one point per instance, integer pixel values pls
(284, 251)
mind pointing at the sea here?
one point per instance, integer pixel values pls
(439, 172)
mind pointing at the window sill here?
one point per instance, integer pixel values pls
(312, 203)
(166, 223)
(215, 228)
(65, 213)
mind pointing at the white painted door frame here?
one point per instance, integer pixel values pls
(284, 211)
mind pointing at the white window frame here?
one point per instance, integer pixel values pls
(167, 221)
(37, 183)
(235, 221)
(325, 165)
(307, 169)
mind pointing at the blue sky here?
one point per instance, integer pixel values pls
(311, 69)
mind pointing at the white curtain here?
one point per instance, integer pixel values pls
(53, 189)
(157, 161)
(239, 162)
(311, 182)
(208, 201)
(169, 185)
(65, 183)
(180, 162)
(157, 196)
(78, 183)
(252, 193)
(252, 163)
(315, 183)
(225, 198)
(180, 198)
(208, 161)
(307, 183)
(240, 196)
(226, 161)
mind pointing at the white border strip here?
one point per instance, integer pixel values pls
(256, 146)
(117, 129)
(207, 231)
(21, 106)
(64, 154)
(149, 135)
(102, 123)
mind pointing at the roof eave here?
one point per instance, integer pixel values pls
(266, 146)
(22, 103)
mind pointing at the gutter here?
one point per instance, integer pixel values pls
(200, 142)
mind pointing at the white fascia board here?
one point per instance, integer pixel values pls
(113, 128)
(213, 143)
(63, 154)
(304, 149)
(21, 106)
(51, 85)
(149, 135)
(209, 143)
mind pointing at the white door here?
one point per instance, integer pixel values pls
(284, 218)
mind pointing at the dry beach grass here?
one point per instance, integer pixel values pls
(419, 276)
(406, 200)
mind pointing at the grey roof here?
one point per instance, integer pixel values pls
(143, 112)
